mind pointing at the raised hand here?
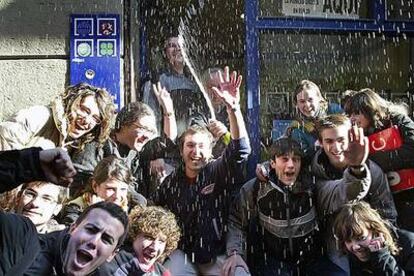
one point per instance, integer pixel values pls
(164, 98)
(229, 88)
(358, 150)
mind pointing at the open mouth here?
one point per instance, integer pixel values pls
(83, 258)
(290, 174)
(30, 213)
(149, 256)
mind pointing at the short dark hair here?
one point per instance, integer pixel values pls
(131, 113)
(114, 210)
(283, 146)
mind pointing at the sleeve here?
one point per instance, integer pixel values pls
(403, 157)
(18, 131)
(380, 196)
(383, 263)
(19, 166)
(332, 194)
(242, 209)
(233, 159)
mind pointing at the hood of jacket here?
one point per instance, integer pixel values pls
(60, 118)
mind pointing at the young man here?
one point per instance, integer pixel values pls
(281, 215)
(93, 239)
(188, 100)
(198, 192)
(40, 201)
(344, 174)
(134, 139)
(154, 234)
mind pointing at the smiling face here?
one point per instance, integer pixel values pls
(149, 249)
(335, 142)
(287, 168)
(84, 117)
(196, 152)
(137, 134)
(358, 246)
(39, 203)
(173, 51)
(308, 102)
(92, 242)
(112, 190)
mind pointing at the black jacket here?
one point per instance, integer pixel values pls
(19, 166)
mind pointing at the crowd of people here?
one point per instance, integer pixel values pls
(161, 189)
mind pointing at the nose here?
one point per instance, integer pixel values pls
(289, 163)
(93, 240)
(197, 150)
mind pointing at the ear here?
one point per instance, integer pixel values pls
(72, 227)
(94, 185)
(112, 255)
(272, 164)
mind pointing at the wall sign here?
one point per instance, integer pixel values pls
(95, 52)
(346, 9)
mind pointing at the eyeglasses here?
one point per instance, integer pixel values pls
(32, 195)
(86, 113)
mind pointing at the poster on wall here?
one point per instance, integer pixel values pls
(344, 9)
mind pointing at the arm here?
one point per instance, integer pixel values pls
(332, 194)
(19, 166)
(229, 92)
(242, 210)
(18, 131)
(164, 99)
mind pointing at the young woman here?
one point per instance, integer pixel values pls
(375, 247)
(310, 106)
(391, 135)
(110, 182)
(153, 234)
(83, 113)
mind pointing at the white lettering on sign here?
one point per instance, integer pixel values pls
(322, 8)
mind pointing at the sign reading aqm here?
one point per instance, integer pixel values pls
(322, 8)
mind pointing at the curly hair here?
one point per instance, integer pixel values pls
(75, 94)
(354, 217)
(152, 221)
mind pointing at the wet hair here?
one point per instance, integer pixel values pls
(74, 95)
(114, 210)
(131, 113)
(152, 221)
(112, 167)
(194, 129)
(375, 108)
(307, 85)
(354, 217)
(283, 146)
(331, 121)
(63, 191)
